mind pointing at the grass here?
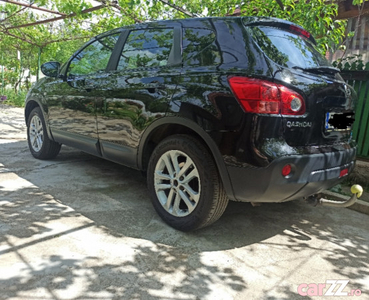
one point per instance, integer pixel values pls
(12, 98)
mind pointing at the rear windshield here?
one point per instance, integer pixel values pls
(287, 49)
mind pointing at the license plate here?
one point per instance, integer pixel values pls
(338, 122)
(328, 117)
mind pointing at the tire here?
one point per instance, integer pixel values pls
(184, 184)
(39, 144)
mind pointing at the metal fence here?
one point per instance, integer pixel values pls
(360, 81)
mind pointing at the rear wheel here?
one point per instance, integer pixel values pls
(184, 184)
(39, 143)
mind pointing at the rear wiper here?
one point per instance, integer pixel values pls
(320, 69)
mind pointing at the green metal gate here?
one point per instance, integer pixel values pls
(360, 81)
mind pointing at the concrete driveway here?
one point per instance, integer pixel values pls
(79, 227)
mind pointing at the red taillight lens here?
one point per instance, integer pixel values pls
(343, 172)
(264, 97)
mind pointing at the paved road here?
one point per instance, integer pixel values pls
(78, 227)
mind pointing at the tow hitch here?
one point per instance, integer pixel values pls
(356, 190)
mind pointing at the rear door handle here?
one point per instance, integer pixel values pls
(90, 85)
(154, 86)
(96, 81)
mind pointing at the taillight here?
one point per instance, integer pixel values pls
(264, 97)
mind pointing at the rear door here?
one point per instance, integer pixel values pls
(137, 89)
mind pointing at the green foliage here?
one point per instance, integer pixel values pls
(351, 63)
(10, 77)
(14, 98)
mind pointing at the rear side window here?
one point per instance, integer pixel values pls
(287, 49)
(199, 48)
(146, 48)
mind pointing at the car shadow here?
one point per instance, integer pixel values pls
(116, 198)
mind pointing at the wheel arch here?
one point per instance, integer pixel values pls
(168, 126)
(31, 105)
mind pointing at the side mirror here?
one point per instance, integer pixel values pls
(50, 69)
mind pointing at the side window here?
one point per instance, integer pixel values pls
(94, 57)
(146, 48)
(199, 47)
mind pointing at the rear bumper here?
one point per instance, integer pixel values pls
(311, 174)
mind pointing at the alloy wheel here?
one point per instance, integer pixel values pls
(177, 183)
(36, 133)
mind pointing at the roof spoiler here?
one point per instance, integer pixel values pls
(279, 23)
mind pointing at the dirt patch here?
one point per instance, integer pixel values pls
(360, 175)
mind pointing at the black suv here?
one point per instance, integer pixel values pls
(239, 108)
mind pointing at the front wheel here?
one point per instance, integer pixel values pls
(39, 143)
(184, 184)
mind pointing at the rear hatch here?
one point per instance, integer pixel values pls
(296, 64)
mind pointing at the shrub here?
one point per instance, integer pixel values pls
(12, 98)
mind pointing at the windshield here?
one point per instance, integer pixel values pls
(287, 49)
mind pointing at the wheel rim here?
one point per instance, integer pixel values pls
(36, 133)
(177, 183)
